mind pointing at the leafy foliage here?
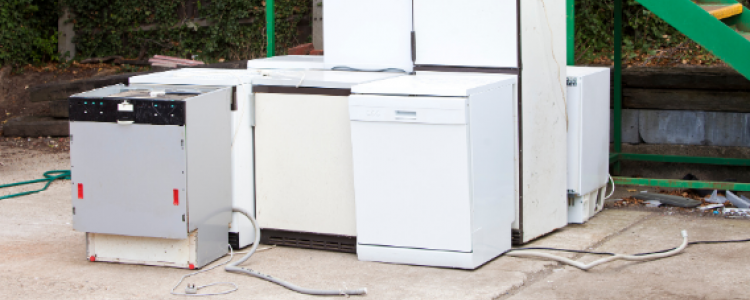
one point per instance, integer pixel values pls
(236, 28)
(28, 31)
(644, 34)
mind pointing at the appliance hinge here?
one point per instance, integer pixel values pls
(413, 47)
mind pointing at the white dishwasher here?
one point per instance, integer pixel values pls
(434, 169)
(303, 164)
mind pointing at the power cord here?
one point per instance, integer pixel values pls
(192, 290)
(644, 256)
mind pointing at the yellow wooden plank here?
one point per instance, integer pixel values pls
(723, 11)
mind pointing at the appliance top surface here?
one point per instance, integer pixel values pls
(450, 85)
(146, 93)
(287, 62)
(321, 79)
(220, 77)
(583, 71)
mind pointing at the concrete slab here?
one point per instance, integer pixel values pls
(726, 129)
(629, 126)
(701, 272)
(672, 127)
(42, 257)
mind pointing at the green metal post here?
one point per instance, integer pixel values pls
(618, 84)
(571, 32)
(270, 28)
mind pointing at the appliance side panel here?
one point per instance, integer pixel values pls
(124, 177)
(492, 166)
(412, 185)
(544, 117)
(303, 165)
(471, 33)
(208, 145)
(243, 165)
(595, 132)
(574, 107)
(365, 34)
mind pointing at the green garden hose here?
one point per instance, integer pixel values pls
(49, 177)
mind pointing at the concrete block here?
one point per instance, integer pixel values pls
(726, 129)
(36, 127)
(629, 126)
(672, 127)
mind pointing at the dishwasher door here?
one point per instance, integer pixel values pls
(411, 172)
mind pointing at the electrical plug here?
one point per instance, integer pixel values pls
(190, 289)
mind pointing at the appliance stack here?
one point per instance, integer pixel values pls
(414, 140)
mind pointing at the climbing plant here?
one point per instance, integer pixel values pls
(209, 29)
(643, 32)
(28, 31)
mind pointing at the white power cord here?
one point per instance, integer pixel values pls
(582, 266)
(192, 290)
(234, 267)
(613, 187)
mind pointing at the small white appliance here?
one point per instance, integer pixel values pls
(288, 62)
(242, 232)
(303, 164)
(434, 169)
(368, 35)
(151, 171)
(588, 141)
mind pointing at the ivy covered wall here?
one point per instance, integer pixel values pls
(210, 29)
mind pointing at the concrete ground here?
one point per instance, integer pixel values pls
(41, 257)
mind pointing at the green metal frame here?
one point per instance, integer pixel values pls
(690, 13)
(270, 28)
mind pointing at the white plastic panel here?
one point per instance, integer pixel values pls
(143, 250)
(588, 134)
(544, 119)
(368, 35)
(476, 33)
(196, 76)
(436, 110)
(304, 178)
(321, 79)
(434, 85)
(413, 190)
(301, 62)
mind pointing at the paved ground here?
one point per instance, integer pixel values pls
(41, 257)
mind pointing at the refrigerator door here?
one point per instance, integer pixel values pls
(469, 33)
(368, 35)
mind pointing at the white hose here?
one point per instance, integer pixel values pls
(582, 266)
(234, 267)
(613, 187)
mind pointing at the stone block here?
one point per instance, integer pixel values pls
(726, 129)
(629, 126)
(672, 127)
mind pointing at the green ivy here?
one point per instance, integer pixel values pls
(28, 31)
(643, 32)
(115, 27)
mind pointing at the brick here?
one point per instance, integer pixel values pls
(303, 49)
(316, 52)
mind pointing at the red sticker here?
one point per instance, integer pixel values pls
(176, 196)
(80, 191)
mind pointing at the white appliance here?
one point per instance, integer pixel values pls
(588, 141)
(151, 173)
(303, 164)
(242, 232)
(288, 62)
(434, 169)
(368, 35)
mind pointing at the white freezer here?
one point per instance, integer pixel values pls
(368, 35)
(304, 181)
(433, 169)
(588, 140)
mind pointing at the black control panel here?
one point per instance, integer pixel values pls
(145, 111)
